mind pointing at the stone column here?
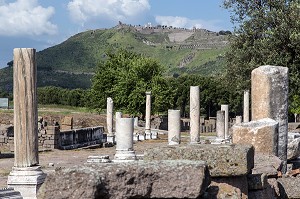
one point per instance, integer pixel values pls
(238, 119)
(109, 116)
(124, 138)
(220, 128)
(136, 122)
(118, 116)
(226, 109)
(194, 114)
(109, 120)
(246, 106)
(148, 115)
(174, 133)
(26, 175)
(269, 94)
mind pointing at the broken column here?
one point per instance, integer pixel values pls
(26, 175)
(225, 108)
(174, 127)
(246, 106)
(262, 134)
(220, 128)
(269, 97)
(239, 119)
(194, 114)
(109, 120)
(148, 115)
(124, 139)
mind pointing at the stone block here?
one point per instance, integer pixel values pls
(222, 160)
(257, 181)
(267, 164)
(66, 127)
(262, 134)
(128, 180)
(289, 187)
(293, 149)
(67, 121)
(231, 187)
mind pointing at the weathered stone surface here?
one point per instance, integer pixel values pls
(289, 187)
(174, 132)
(233, 187)
(222, 160)
(268, 164)
(257, 181)
(269, 97)
(25, 108)
(293, 150)
(262, 134)
(158, 179)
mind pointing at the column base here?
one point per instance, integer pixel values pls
(124, 156)
(26, 180)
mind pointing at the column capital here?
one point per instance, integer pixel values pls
(148, 92)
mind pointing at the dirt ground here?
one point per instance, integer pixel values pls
(68, 158)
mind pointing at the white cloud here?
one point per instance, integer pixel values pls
(25, 17)
(183, 22)
(82, 11)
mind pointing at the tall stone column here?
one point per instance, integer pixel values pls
(246, 106)
(225, 108)
(220, 128)
(148, 115)
(269, 97)
(26, 175)
(109, 120)
(194, 114)
(174, 133)
(124, 138)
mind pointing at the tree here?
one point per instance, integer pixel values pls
(125, 76)
(266, 33)
(295, 106)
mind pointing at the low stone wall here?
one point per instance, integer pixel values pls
(76, 138)
(51, 137)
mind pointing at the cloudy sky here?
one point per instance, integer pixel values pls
(43, 23)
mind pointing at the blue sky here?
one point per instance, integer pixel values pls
(43, 23)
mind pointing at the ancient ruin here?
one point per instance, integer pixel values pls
(26, 175)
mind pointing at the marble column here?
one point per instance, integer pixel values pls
(246, 106)
(26, 175)
(118, 116)
(109, 120)
(269, 99)
(124, 138)
(225, 108)
(220, 127)
(148, 115)
(194, 114)
(174, 131)
(109, 116)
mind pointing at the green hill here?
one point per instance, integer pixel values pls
(72, 63)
